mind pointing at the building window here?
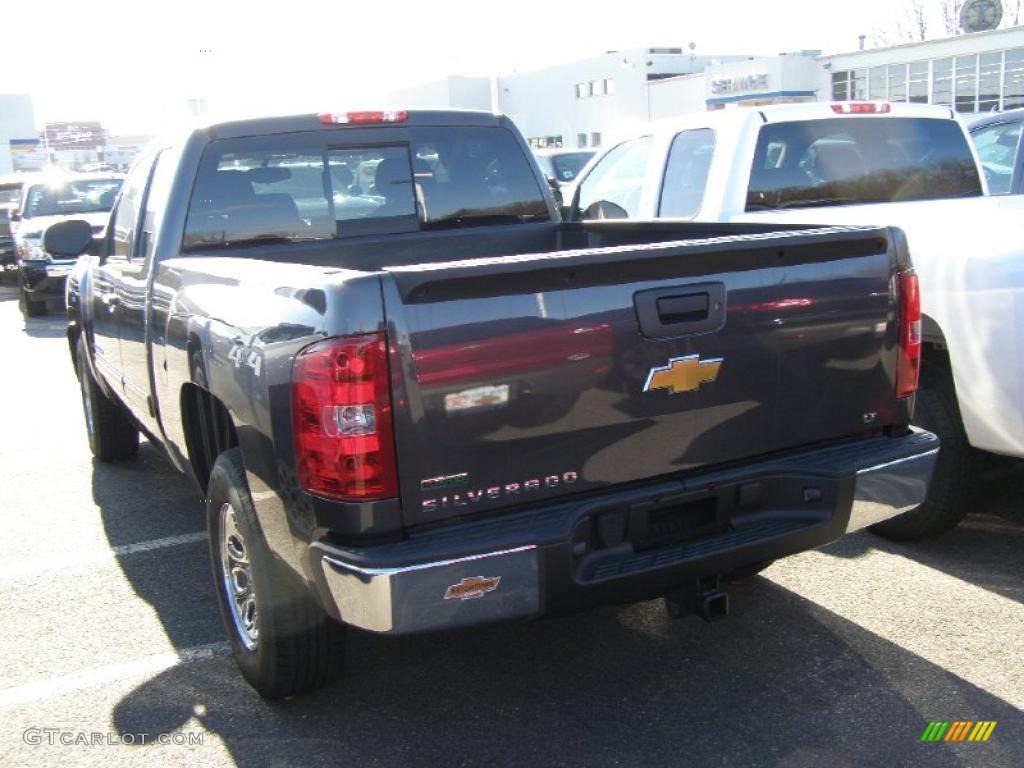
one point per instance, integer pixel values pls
(545, 142)
(581, 90)
(860, 85)
(990, 70)
(581, 139)
(897, 82)
(876, 83)
(595, 139)
(942, 81)
(1013, 79)
(918, 87)
(609, 86)
(841, 86)
(596, 87)
(966, 83)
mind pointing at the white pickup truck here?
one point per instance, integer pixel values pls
(905, 165)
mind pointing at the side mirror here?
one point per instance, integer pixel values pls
(68, 238)
(15, 216)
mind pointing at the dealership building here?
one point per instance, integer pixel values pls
(584, 103)
(19, 138)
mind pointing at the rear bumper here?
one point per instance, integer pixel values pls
(559, 558)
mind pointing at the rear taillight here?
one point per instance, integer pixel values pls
(862, 108)
(341, 411)
(908, 368)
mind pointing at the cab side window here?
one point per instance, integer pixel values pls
(686, 174)
(997, 152)
(612, 189)
(126, 214)
(156, 199)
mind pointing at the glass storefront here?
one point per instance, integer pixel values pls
(983, 82)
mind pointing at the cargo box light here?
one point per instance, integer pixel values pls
(862, 108)
(362, 118)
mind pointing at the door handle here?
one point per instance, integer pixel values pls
(682, 310)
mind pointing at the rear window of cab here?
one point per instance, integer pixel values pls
(298, 187)
(859, 160)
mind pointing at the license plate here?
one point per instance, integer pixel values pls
(478, 397)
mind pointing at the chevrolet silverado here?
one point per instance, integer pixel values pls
(414, 399)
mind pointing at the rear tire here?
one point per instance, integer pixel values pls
(957, 471)
(283, 641)
(112, 435)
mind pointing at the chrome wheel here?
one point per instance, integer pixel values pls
(237, 574)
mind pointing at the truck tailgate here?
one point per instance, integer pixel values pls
(523, 378)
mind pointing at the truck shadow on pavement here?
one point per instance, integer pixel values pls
(986, 549)
(49, 326)
(147, 500)
(782, 682)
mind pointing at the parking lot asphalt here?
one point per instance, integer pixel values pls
(837, 657)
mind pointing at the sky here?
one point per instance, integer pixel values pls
(133, 65)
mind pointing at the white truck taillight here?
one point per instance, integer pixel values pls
(908, 368)
(341, 414)
(862, 108)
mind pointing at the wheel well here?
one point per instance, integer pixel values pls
(209, 430)
(934, 348)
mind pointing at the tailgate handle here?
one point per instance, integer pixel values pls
(682, 310)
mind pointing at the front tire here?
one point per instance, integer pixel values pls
(112, 435)
(283, 641)
(958, 469)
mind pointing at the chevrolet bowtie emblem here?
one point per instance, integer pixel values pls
(683, 374)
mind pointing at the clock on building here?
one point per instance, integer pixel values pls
(980, 15)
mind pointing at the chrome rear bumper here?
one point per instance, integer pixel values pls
(891, 488)
(526, 565)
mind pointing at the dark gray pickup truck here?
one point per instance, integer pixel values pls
(414, 399)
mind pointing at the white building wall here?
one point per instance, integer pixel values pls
(17, 121)
(977, 42)
(453, 92)
(544, 103)
(678, 95)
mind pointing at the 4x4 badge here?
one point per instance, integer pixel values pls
(683, 374)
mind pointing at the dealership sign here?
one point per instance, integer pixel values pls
(741, 84)
(81, 135)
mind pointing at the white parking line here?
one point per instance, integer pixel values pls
(92, 557)
(90, 678)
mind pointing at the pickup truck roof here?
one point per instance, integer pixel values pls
(312, 122)
(781, 113)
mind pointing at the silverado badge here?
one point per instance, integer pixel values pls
(472, 586)
(683, 374)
